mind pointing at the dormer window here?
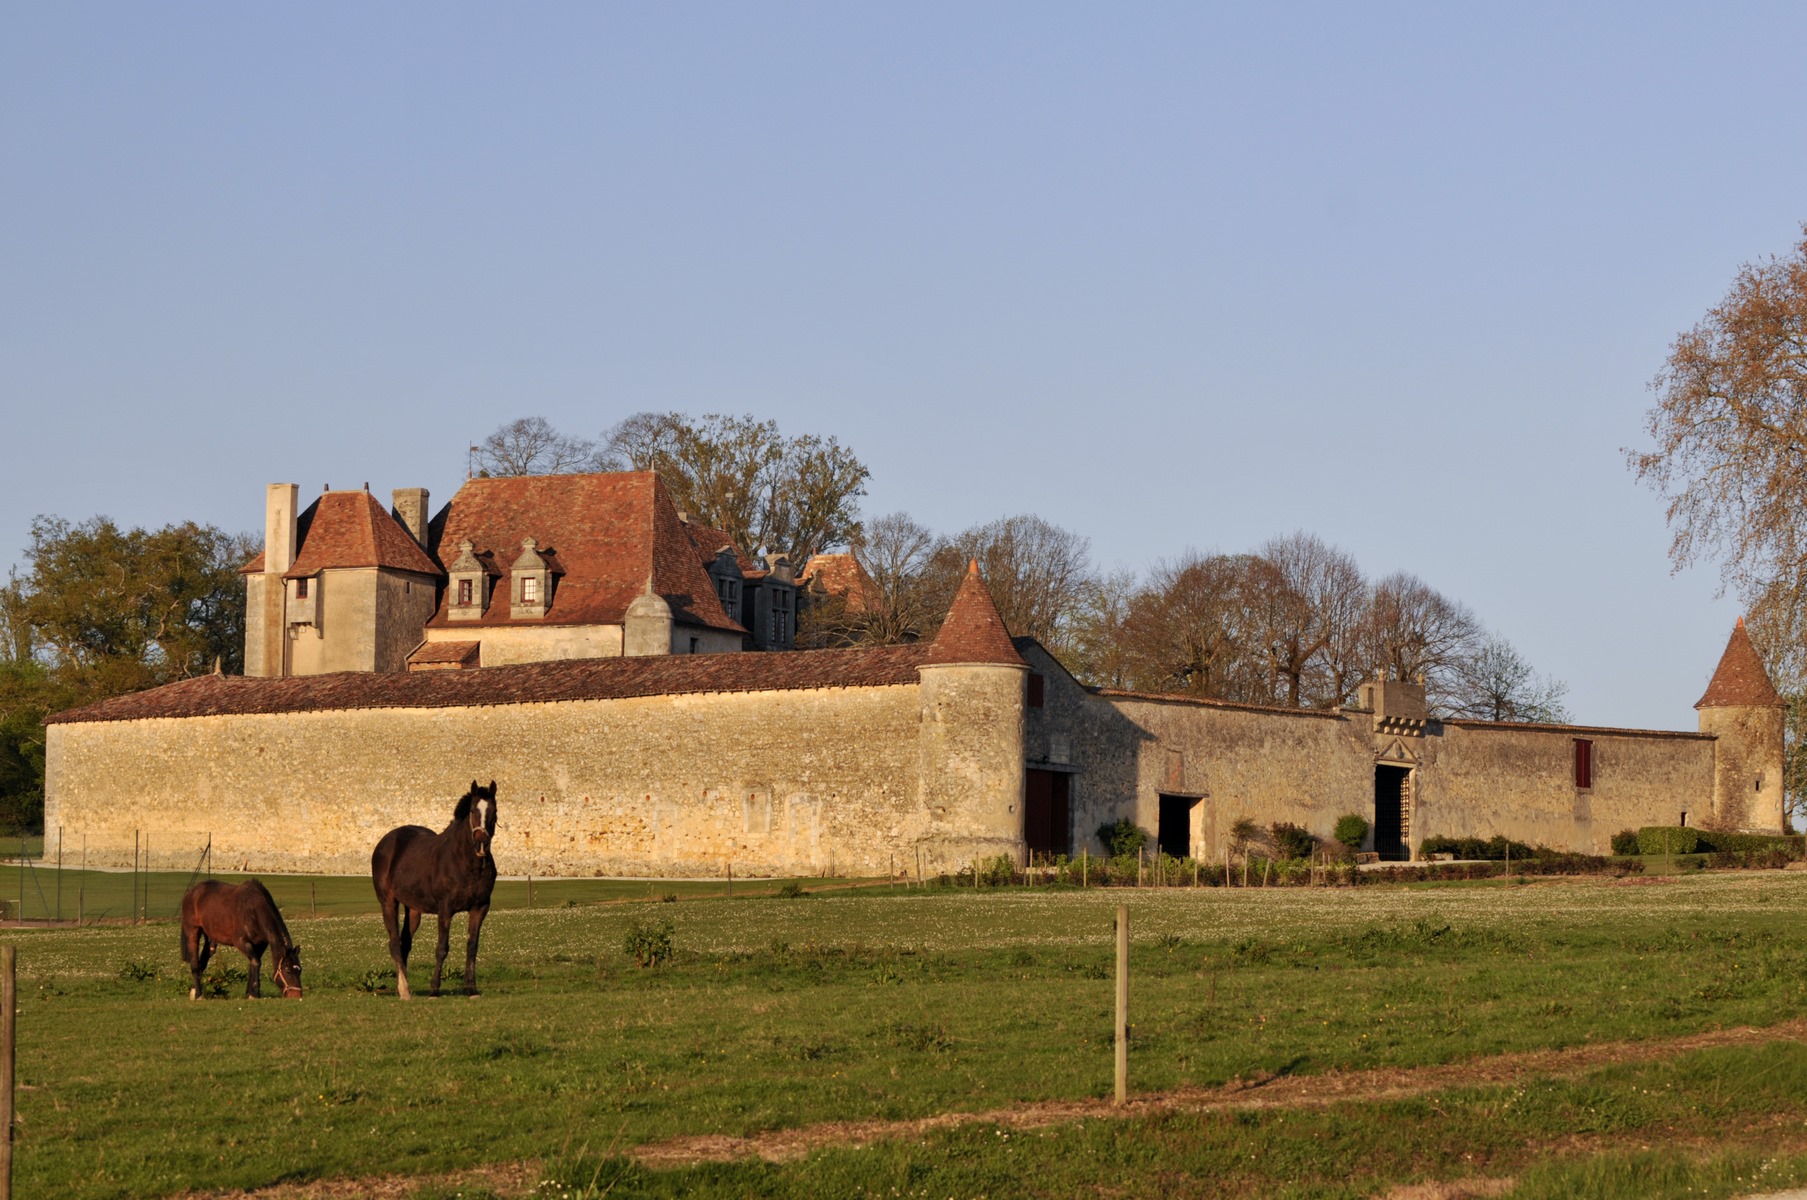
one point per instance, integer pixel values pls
(533, 586)
(469, 585)
(301, 588)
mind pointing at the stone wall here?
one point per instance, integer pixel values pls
(1480, 780)
(537, 643)
(776, 783)
(1309, 768)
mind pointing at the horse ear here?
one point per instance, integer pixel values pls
(492, 789)
(474, 785)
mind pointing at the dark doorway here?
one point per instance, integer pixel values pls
(1045, 827)
(1175, 834)
(1389, 813)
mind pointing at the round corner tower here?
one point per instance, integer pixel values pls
(1743, 712)
(971, 735)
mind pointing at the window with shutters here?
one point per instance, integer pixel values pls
(1584, 763)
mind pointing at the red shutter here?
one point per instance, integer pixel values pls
(1584, 763)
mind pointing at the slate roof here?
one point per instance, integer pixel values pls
(350, 529)
(1740, 681)
(524, 683)
(602, 534)
(973, 631)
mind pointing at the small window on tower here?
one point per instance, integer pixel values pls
(530, 590)
(1584, 763)
(464, 593)
(301, 589)
(1037, 689)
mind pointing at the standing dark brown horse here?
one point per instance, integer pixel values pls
(242, 915)
(417, 871)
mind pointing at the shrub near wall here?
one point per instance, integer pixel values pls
(1668, 839)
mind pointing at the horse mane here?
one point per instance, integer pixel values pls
(463, 811)
(278, 925)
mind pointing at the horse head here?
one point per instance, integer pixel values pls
(478, 810)
(287, 969)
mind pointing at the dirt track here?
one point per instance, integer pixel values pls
(1285, 1091)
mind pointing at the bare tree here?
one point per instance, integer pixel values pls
(531, 446)
(1730, 427)
(1495, 683)
(1099, 651)
(1191, 628)
(1412, 631)
(796, 495)
(1038, 574)
(898, 555)
(1309, 596)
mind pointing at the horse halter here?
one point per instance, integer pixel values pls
(276, 969)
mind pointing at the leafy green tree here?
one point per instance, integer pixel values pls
(102, 611)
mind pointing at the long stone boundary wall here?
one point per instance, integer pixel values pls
(778, 783)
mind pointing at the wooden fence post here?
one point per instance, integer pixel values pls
(9, 1004)
(1122, 1071)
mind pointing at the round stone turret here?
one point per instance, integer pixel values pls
(1742, 710)
(971, 735)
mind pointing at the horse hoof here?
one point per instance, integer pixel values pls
(474, 995)
(194, 993)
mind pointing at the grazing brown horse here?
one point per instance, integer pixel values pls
(245, 916)
(417, 871)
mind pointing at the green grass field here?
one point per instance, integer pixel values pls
(886, 1004)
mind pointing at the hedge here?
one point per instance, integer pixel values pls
(1668, 839)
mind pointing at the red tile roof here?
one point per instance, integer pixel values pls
(353, 529)
(842, 576)
(1740, 681)
(710, 542)
(461, 654)
(604, 534)
(973, 631)
(349, 529)
(525, 683)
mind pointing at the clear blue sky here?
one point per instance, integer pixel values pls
(1169, 275)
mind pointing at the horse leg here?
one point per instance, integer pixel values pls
(196, 948)
(254, 958)
(440, 950)
(470, 949)
(410, 921)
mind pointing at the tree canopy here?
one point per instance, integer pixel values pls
(1729, 429)
(101, 611)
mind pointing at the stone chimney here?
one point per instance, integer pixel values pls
(279, 528)
(410, 510)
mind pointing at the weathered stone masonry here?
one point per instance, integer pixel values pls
(852, 761)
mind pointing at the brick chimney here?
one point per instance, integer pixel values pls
(410, 510)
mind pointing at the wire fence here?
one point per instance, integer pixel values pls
(48, 877)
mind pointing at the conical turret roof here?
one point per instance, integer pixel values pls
(1740, 681)
(973, 631)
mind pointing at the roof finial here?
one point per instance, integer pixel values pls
(216, 665)
(1741, 620)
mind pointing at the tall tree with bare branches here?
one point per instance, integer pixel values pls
(1730, 457)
